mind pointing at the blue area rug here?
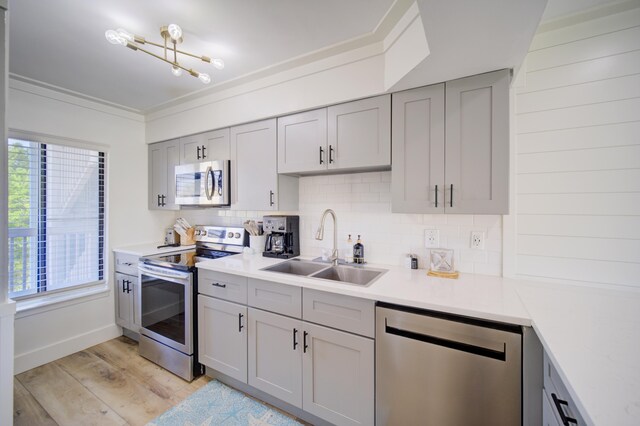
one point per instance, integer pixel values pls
(216, 404)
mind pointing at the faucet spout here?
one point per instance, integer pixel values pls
(320, 233)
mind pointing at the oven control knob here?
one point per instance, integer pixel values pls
(237, 235)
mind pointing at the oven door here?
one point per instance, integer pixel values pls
(166, 304)
(203, 184)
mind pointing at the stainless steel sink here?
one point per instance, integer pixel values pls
(357, 275)
(296, 267)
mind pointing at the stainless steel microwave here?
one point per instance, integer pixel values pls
(203, 184)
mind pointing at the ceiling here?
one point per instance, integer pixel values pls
(61, 43)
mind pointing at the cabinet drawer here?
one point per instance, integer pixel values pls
(341, 312)
(223, 286)
(126, 263)
(553, 386)
(275, 297)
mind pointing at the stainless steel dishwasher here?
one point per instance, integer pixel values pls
(446, 370)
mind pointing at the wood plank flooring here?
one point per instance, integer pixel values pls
(107, 384)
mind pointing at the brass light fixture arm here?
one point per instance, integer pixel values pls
(175, 64)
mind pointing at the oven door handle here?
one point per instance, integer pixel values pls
(154, 272)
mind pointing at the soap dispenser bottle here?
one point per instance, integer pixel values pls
(358, 252)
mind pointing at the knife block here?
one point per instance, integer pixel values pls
(189, 239)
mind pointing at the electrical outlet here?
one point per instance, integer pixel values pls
(477, 240)
(431, 238)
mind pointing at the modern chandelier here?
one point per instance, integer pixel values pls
(172, 35)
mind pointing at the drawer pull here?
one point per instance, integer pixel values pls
(566, 420)
(219, 285)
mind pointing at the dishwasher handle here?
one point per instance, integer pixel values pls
(451, 344)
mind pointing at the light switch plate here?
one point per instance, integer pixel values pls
(431, 238)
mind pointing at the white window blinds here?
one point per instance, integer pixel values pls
(56, 217)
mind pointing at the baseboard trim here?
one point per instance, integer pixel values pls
(45, 354)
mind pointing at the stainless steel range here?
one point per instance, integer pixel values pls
(168, 283)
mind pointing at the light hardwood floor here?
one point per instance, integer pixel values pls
(104, 385)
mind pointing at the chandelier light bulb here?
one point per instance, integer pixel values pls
(126, 35)
(218, 63)
(176, 71)
(204, 78)
(174, 31)
(114, 38)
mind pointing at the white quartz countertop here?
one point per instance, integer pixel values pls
(150, 249)
(591, 335)
(471, 295)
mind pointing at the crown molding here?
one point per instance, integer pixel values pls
(588, 15)
(380, 34)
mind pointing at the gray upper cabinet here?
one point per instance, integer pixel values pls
(353, 136)
(255, 184)
(477, 144)
(163, 158)
(417, 176)
(205, 147)
(359, 134)
(451, 147)
(302, 142)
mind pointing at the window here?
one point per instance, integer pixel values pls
(56, 217)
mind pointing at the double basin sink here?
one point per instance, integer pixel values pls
(358, 275)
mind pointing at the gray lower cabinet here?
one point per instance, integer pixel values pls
(255, 183)
(338, 376)
(127, 309)
(275, 355)
(451, 147)
(222, 336)
(558, 408)
(127, 290)
(206, 146)
(163, 158)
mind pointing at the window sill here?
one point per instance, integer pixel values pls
(49, 302)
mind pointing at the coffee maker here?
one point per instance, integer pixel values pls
(283, 236)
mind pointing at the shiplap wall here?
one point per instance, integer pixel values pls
(578, 154)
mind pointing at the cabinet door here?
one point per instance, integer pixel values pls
(417, 175)
(548, 415)
(217, 145)
(222, 336)
(302, 142)
(338, 376)
(254, 166)
(157, 175)
(173, 159)
(124, 307)
(477, 144)
(191, 149)
(163, 158)
(275, 355)
(359, 134)
(136, 312)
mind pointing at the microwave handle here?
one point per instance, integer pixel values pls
(208, 173)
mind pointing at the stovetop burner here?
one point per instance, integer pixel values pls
(212, 242)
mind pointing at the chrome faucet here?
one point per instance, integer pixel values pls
(320, 234)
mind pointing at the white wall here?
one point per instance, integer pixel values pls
(58, 330)
(578, 159)
(362, 202)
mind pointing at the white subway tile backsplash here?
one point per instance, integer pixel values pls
(362, 202)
